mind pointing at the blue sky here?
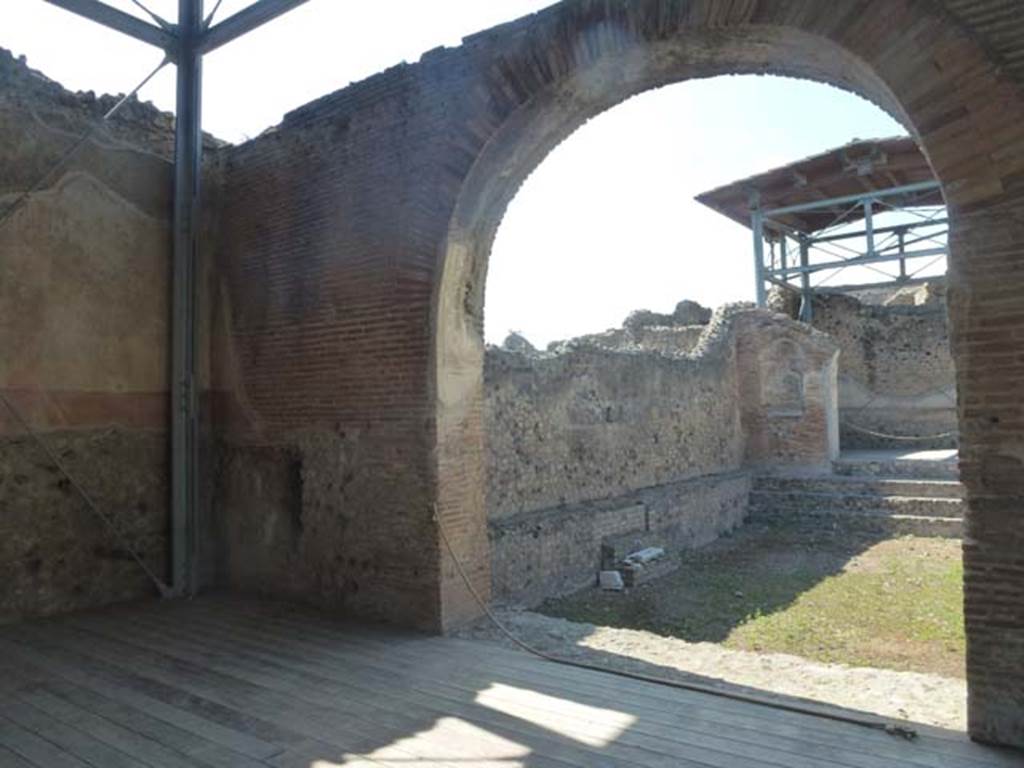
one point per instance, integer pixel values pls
(606, 224)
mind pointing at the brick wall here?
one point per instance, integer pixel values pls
(355, 241)
(543, 76)
(323, 392)
(787, 394)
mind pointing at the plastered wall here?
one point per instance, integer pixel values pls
(84, 302)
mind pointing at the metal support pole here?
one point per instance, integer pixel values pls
(188, 143)
(901, 236)
(757, 224)
(186, 43)
(784, 261)
(806, 306)
(869, 225)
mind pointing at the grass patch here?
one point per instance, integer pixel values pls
(831, 596)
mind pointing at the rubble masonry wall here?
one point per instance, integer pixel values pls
(896, 374)
(647, 429)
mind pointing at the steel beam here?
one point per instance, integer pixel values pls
(857, 261)
(878, 193)
(188, 146)
(246, 20)
(120, 21)
(884, 230)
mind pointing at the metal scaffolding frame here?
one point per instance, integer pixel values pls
(794, 256)
(184, 43)
(871, 205)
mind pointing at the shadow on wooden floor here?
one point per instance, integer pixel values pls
(231, 681)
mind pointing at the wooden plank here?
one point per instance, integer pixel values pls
(335, 674)
(10, 759)
(185, 751)
(435, 731)
(516, 662)
(536, 672)
(683, 697)
(561, 690)
(945, 750)
(669, 739)
(203, 751)
(187, 714)
(232, 657)
(127, 742)
(234, 644)
(34, 749)
(310, 721)
(309, 755)
(78, 743)
(216, 755)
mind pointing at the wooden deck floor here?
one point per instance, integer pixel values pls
(229, 682)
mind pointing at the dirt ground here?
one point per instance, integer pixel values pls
(855, 620)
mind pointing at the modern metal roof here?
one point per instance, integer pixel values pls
(844, 172)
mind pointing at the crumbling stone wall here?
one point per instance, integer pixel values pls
(84, 302)
(657, 418)
(896, 373)
(590, 422)
(557, 550)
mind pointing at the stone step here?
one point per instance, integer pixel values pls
(889, 468)
(878, 521)
(798, 501)
(886, 486)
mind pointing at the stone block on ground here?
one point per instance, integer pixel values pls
(611, 581)
(639, 557)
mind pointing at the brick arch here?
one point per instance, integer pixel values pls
(548, 74)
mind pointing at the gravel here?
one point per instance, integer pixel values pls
(920, 698)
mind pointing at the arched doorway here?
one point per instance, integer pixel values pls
(577, 59)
